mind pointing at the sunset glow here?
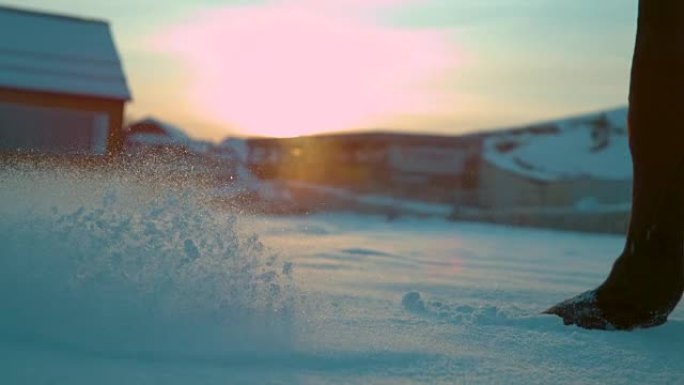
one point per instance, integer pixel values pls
(298, 67)
(220, 68)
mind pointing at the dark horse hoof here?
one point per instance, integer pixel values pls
(585, 311)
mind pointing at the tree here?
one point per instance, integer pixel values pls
(647, 279)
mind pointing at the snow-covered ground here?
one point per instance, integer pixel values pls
(107, 280)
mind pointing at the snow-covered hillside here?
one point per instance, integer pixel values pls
(593, 145)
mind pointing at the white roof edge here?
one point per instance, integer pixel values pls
(82, 60)
(129, 95)
(50, 14)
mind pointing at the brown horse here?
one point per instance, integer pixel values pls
(647, 280)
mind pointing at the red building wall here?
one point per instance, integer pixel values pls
(113, 108)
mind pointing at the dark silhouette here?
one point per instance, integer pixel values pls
(647, 280)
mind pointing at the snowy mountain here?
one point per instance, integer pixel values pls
(592, 145)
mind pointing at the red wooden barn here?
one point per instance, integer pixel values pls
(62, 86)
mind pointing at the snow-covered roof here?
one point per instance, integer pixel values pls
(167, 135)
(567, 151)
(63, 54)
(169, 130)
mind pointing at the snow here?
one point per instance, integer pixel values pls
(54, 53)
(238, 147)
(110, 279)
(237, 151)
(407, 205)
(399, 205)
(566, 154)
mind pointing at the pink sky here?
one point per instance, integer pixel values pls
(299, 67)
(222, 68)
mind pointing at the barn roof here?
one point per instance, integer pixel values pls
(62, 54)
(164, 134)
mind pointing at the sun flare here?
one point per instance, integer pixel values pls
(300, 67)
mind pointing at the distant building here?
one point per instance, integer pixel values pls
(349, 160)
(172, 149)
(153, 135)
(62, 87)
(428, 167)
(442, 168)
